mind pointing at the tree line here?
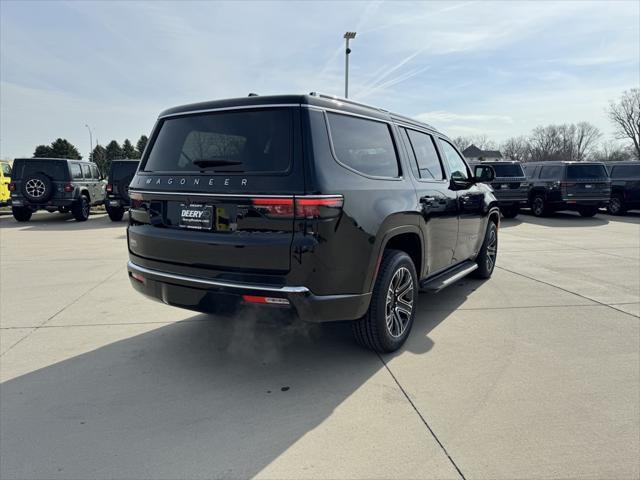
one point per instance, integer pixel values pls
(573, 142)
(102, 156)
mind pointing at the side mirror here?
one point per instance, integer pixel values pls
(484, 173)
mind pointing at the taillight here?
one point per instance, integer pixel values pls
(12, 187)
(109, 188)
(69, 187)
(263, 300)
(318, 207)
(136, 199)
(301, 207)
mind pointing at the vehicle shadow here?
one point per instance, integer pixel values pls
(205, 397)
(629, 217)
(510, 222)
(566, 219)
(45, 221)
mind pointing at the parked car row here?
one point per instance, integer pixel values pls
(63, 185)
(584, 187)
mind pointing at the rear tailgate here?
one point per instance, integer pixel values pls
(216, 192)
(586, 182)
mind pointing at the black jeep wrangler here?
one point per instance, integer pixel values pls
(625, 187)
(336, 210)
(120, 175)
(510, 186)
(580, 186)
(55, 184)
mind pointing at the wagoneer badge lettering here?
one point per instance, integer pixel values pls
(184, 181)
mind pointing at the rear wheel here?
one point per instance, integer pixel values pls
(488, 254)
(616, 205)
(539, 206)
(81, 209)
(387, 323)
(587, 211)
(510, 211)
(21, 214)
(115, 213)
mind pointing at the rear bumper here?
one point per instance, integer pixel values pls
(55, 203)
(574, 203)
(214, 296)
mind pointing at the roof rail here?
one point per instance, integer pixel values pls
(346, 100)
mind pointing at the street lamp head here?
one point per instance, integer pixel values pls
(350, 35)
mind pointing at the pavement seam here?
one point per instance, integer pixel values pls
(108, 277)
(569, 291)
(424, 420)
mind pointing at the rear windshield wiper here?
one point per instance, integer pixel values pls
(215, 163)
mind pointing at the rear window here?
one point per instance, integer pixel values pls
(586, 171)
(626, 171)
(123, 170)
(508, 170)
(244, 141)
(55, 169)
(364, 145)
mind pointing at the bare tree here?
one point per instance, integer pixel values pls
(585, 137)
(611, 151)
(625, 115)
(481, 141)
(545, 143)
(563, 142)
(516, 148)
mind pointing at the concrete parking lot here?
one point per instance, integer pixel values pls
(533, 374)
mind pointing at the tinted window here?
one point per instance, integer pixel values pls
(6, 169)
(364, 145)
(508, 170)
(586, 171)
(76, 172)
(622, 171)
(94, 172)
(456, 164)
(123, 170)
(552, 171)
(247, 141)
(86, 171)
(55, 169)
(426, 155)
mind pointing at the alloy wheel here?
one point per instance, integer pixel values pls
(35, 187)
(492, 249)
(399, 302)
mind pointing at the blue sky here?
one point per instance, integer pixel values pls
(499, 68)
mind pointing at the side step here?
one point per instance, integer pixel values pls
(448, 277)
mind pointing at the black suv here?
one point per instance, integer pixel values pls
(334, 209)
(625, 187)
(55, 184)
(580, 186)
(120, 175)
(510, 186)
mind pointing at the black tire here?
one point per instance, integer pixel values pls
(115, 213)
(587, 211)
(488, 254)
(37, 187)
(539, 206)
(21, 214)
(81, 209)
(510, 212)
(616, 205)
(394, 297)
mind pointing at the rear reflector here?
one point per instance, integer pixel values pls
(269, 300)
(109, 188)
(138, 277)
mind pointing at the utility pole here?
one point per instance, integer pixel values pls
(90, 141)
(347, 36)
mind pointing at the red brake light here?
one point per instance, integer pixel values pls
(109, 188)
(316, 207)
(12, 187)
(274, 207)
(68, 187)
(268, 300)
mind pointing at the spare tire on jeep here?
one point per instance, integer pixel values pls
(37, 187)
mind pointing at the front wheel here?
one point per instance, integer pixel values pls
(21, 214)
(488, 254)
(81, 209)
(387, 323)
(588, 211)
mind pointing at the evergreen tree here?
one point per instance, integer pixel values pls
(127, 149)
(140, 146)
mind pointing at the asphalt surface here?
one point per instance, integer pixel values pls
(533, 374)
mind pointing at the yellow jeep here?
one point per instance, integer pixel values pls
(5, 179)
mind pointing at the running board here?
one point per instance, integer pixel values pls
(449, 277)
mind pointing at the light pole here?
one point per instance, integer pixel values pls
(347, 36)
(90, 141)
